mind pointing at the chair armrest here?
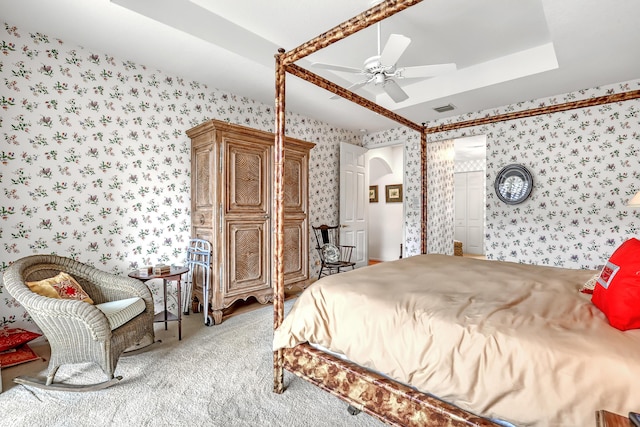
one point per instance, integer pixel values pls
(122, 286)
(57, 315)
(108, 287)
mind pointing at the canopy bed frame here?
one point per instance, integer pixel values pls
(378, 396)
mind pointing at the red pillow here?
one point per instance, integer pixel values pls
(11, 338)
(617, 291)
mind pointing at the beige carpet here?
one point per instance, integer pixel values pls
(216, 376)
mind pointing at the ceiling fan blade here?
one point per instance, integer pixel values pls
(425, 71)
(358, 85)
(352, 88)
(393, 50)
(394, 91)
(337, 68)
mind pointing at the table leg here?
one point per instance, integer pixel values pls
(164, 281)
(179, 310)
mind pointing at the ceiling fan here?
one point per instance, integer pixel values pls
(381, 69)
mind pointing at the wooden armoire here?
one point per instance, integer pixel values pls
(231, 207)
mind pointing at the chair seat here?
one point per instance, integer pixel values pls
(340, 264)
(120, 312)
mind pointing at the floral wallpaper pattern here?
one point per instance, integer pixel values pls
(440, 185)
(96, 162)
(585, 165)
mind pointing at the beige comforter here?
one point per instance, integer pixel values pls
(502, 340)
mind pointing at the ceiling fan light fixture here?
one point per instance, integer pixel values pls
(381, 70)
(445, 108)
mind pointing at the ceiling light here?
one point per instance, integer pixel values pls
(445, 108)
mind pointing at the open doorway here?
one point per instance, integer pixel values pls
(386, 233)
(470, 194)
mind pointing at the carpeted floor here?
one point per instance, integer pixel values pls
(216, 376)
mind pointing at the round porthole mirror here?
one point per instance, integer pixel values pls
(513, 184)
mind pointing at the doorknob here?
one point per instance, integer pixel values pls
(343, 226)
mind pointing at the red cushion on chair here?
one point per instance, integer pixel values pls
(617, 291)
(11, 338)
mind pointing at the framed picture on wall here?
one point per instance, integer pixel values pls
(373, 194)
(393, 193)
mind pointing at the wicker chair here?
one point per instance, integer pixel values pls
(79, 332)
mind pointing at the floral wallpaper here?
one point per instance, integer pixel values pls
(440, 186)
(96, 162)
(585, 165)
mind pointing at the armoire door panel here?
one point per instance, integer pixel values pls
(202, 169)
(296, 262)
(246, 254)
(293, 179)
(203, 193)
(247, 189)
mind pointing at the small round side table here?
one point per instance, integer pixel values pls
(173, 275)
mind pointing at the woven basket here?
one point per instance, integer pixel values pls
(457, 248)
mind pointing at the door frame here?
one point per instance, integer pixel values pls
(381, 191)
(405, 146)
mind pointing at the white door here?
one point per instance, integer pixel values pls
(354, 200)
(469, 211)
(475, 212)
(460, 208)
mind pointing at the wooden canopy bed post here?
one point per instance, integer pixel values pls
(285, 63)
(424, 181)
(278, 209)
